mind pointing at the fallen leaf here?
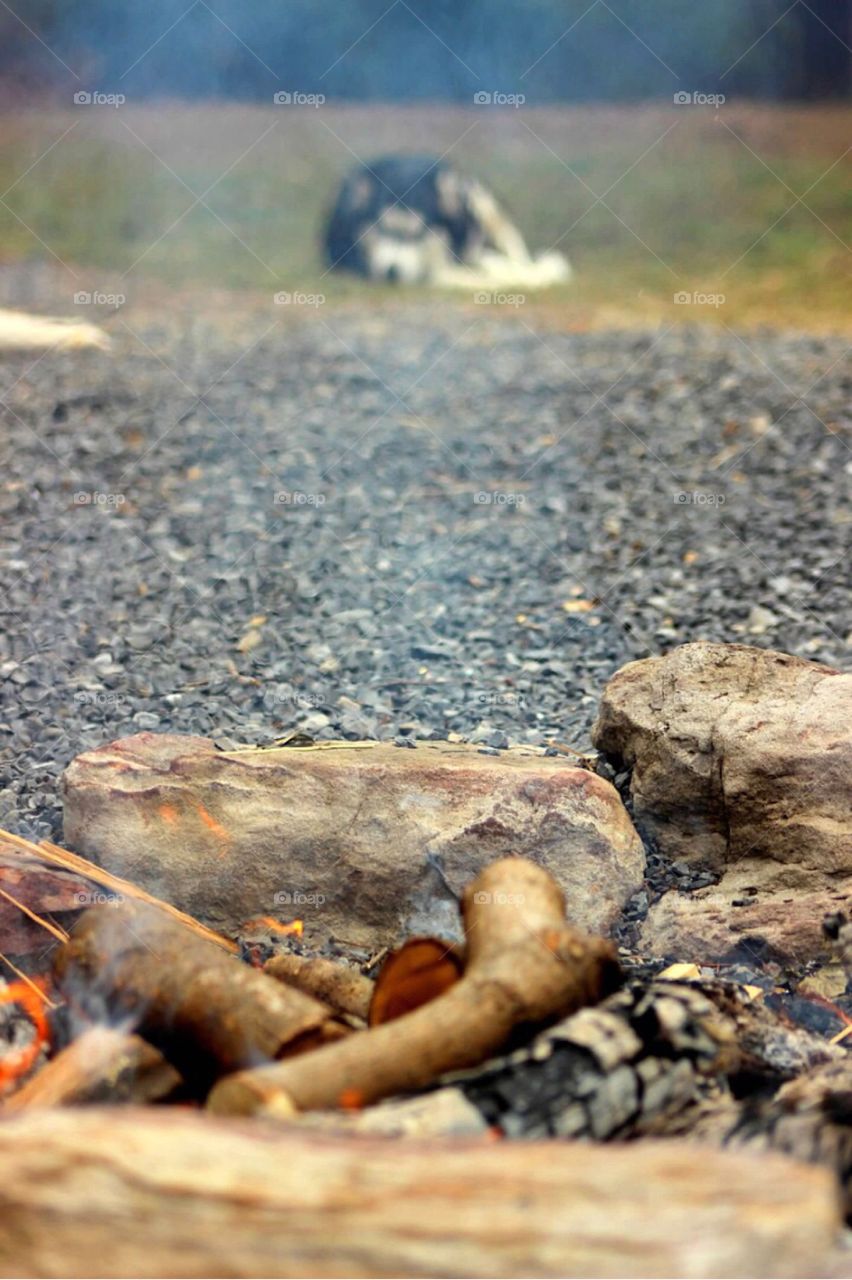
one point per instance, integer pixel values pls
(249, 641)
(680, 972)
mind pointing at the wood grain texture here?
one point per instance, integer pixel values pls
(135, 1192)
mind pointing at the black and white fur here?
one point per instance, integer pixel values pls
(414, 219)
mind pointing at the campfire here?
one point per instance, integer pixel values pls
(532, 1028)
(157, 1068)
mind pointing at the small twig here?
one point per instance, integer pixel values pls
(565, 749)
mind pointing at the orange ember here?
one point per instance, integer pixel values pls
(18, 1063)
(295, 928)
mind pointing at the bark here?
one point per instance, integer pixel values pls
(44, 890)
(642, 1063)
(342, 988)
(205, 1010)
(101, 1065)
(524, 966)
(809, 1118)
(163, 1193)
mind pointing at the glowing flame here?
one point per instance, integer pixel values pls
(295, 928)
(19, 1062)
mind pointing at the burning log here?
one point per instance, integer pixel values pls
(809, 1118)
(101, 1065)
(82, 1190)
(207, 1012)
(15, 1064)
(26, 879)
(640, 1063)
(342, 988)
(525, 966)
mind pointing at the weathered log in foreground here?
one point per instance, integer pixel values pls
(81, 1191)
(207, 1012)
(525, 965)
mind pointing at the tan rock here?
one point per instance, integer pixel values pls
(345, 835)
(742, 763)
(716, 923)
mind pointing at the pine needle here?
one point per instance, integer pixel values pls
(19, 973)
(45, 924)
(60, 857)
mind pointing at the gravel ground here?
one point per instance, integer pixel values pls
(420, 521)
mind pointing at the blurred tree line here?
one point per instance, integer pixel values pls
(431, 49)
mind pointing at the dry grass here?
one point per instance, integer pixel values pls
(754, 203)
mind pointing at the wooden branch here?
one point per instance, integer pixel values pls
(159, 1192)
(342, 988)
(205, 1010)
(101, 1065)
(524, 966)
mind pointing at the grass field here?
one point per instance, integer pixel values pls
(750, 203)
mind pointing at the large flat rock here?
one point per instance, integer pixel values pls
(356, 839)
(741, 763)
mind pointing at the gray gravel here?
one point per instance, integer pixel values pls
(301, 490)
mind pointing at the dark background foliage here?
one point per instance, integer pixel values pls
(555, 50)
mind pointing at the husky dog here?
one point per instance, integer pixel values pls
(414, 219)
